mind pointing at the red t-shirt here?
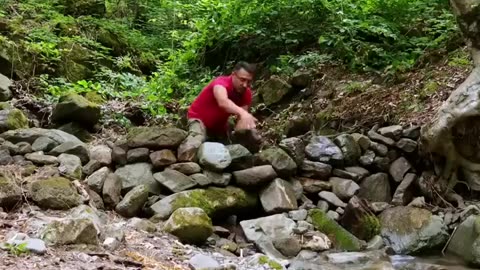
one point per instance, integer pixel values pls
(206, 108)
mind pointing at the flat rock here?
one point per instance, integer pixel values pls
(393, 132)
(399, 168)
(44, 144)
(162, 158)
(379, 149)
(137, 155)
(346, 174)
(331, 198)
(31, 134)
(281, 162)
(175, 181)
(241, 157)
(344, 188)
(367, 158)
(412, 132)
(214, 156)
(96, 180)
(313, 185)
(132, 202)
(381, 139)
(314, 169)
(322, 149)
(359, 171)
(155, 137)
(255, 176)
(101, 153)
(278, 196)
(407, 145)
(91, 167)
(295, 148)
(132, 175)
(41, 159)
(298, 215)
(186, 168)
(218, 179)
(201, 179)
(202, 262)
(376, 188)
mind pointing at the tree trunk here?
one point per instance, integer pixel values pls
(454, 132)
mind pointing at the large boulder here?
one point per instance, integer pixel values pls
(341, 238)
(5, 84)
(214, 156)
(12, 119)
(273, 90)
(155, 137)
(133, 201)
(376, 188)
(283, 164)
(30, 135)
(55, 193)
(241, 157)
(322, 149)
(73, 107)
(410, 230)
(175, 181)
(213, 201)
(132, 175)
(465, 242)
(10, 193)
(191, 225)
(70, 165)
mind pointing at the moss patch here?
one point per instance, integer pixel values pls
(271, 263)
(190, 225)
(370, 227)
(16, 119)
(55, 193)
(341, 238)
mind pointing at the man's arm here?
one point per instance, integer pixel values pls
(225, 103)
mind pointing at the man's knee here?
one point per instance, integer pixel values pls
(196, 127)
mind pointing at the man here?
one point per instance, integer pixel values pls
(223, 97)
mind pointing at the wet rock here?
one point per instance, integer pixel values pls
(399, 168)
(407, 145)
(112, 190)
(132, 175)
(360, 220)
(213, 200)
(337, 234)
(97, 179)
(191, 225)
(73, 148)
(315, 169)
(409, 230)
(281, 162)
(344, 188)
(313, 185)
(350, 149)
(295, 148)
(10, 193)
(255, 176)
(101, 153)
(187, 168)
(173, 180)
(278, 196)
(214, 156)
(376, 188)
(403, 194)
(331, 198)
(241, 157)
(41, 159)
(155, 137)
(55, 193)
(138, 155)
(162, 158)
(393, 132)
(288, 246)
(381, 139)
(70, 166)
(201, 262)
(367, 158)
(218, 179)
(133, 201)
(322, 149)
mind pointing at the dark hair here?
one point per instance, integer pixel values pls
(250, 68)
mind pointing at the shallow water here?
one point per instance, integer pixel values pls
(448, 262)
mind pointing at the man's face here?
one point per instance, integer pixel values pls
(241, 80)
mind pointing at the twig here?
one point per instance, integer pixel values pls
(449, 239)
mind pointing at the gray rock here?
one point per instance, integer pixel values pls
(376, 188)
(362, 172)
(10, 193)
(187, 151)
(70, 231)
(102, 154)
(214, 156)
(399, 168)
(241, 157)
(379, 149)
(333, 215)
(218, 179)
(281, 162)
(367, 158)
(111, 244)
(362, 141)
(91, 167)
(410, 230)
(97, 179)
(112, 190)
(303, 227)
(44, 144)
(115, 230)
(41, 159)
(322, 149)
(346, 174)
(350, 149)
(288, 246)
(132, 175)
(315, 169)
(278, 196)
(55, 193)
(298, 215)
(344, 188)
(465, 243)
(138, 155)
(403, 195)
(175, 181)
(412, 132)
(407, 145)
(5, 84)
(378, 207)
(5, 157)
(162, 158)
(119, 155)
(74, 148)
(31, 134)
(187, 168)
(273, 90)
(24, 148)
(381, 164)
(96, 200)
(201, 179)
(295, 148)
(323, 206)
(12, 148)
(381, 139)
(316, 241)
(255, 176)
(393, 132)
(76, 108)
(314, 186)
(133, 201)
(375, 243)
(332, 199)
(202, 262)
(140, 224)
(340, 211)
(297, 188)
(155, 137)
(70, 165)
(191, 225)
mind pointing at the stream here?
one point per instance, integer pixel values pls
(448, 261)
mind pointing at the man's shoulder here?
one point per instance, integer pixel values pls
(225, 81)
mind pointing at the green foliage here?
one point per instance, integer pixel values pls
(17, 250)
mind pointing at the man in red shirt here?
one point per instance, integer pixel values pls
(209, 113)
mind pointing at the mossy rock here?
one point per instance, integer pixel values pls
(274, 90)
(213, 200)
(10, 193)
(95, 97)
(341, 238)
(77, 130)
(70, 231)
(264, 260)
(55, 193)
(11, 119)
(75, 108)
(191, 225)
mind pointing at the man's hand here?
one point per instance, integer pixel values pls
(246, 121)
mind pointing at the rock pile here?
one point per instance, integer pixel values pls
(308, 194)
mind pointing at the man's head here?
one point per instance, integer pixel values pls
(242, 76)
